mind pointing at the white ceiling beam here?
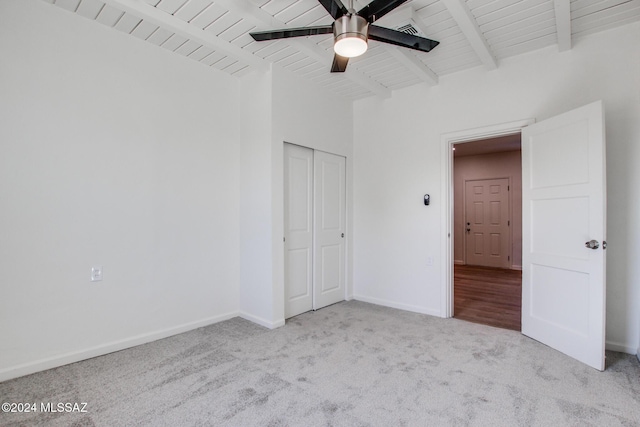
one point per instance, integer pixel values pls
(469, 27)
(262, 18)
(357, 77)
(351, 73)
(399, 17)
(164, 20)
(413, 64)
(563, 24)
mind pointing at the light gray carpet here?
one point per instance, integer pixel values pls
(351, 364)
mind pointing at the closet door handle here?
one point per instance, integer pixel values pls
(592, 244)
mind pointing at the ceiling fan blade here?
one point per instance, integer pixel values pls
(378, 8)
(399, 38)
(291, 32)
(339, 64)
(335, 8)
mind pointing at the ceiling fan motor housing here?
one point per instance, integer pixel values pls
(350, 26)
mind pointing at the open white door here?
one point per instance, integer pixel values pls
(564, 208)
(330, 217)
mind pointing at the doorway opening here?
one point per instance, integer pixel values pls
(487, 231)
(563, 202)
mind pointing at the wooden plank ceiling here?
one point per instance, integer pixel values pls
(472, 33)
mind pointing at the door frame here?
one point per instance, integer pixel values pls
(509, 209)
(447, 142)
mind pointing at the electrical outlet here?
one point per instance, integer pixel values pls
(429, 261)
(96, 273)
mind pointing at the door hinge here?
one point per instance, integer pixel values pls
(508, 223)
(284, 239)
(508, 258)
(508, 188)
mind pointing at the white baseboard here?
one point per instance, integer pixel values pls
(100, 350)
(262, 322)
(398, 305)
(622, 348)
(516, 267)
(458, 262)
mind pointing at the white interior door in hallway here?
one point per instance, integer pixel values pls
(487, 222)
(314, 224)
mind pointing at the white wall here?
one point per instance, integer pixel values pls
(256, 264)
(114, 152)
(117, 153)
(168, 174)
(298, 112)
(307, 115)
(397, 148)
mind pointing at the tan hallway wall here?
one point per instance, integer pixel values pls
(485, 166)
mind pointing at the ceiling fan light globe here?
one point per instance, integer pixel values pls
(350, 35)
(350, 47)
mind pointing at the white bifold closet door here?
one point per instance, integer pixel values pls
(298, 229)
(314, 225)
(329, 228)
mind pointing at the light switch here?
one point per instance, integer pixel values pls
(96, 273)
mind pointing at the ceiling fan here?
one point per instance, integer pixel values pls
(352, 29)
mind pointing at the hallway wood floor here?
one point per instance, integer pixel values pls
(491, 296)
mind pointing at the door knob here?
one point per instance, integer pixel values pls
(592, 244)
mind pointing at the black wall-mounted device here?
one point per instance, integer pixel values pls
(427, 199)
